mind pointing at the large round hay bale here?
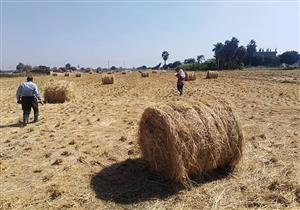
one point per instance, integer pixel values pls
(145, 74)
(67, 74)
(190, 75)
(182, 139)
(108, 79)
(78, 74)
(59, 91)
(54, 74)
(123, 72)
(212, 75)
(154, 71)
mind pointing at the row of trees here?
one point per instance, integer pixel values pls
(68, 67)
(230, 55)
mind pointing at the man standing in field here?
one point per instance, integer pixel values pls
(180, 81)
(28, 95)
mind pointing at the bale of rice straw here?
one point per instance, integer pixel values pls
(67, 74)
(78, 74)
(190, 75)
(145, 74)
(212, 75)
(54, 74)
(108, 79)
(59, 91)
(181, 139)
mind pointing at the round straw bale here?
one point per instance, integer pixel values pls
(67, 74)
(190, 75)
(145, 74)
(182, 139)
(212, 75)
(108, 79)
(59, 91)
(154, 71)
(54, 74)
(78, 74)
(123, 72)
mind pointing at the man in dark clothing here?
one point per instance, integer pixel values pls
(180, 81)
(28, 95)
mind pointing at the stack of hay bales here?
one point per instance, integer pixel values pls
(108, 79)
(190, 75)
(67, 74)
(181, 140)
(212, 75)
(54, 74)
(59, 91)
(145, 74)
(78, 74)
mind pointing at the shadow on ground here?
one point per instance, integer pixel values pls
(14, 125)
(132, 181)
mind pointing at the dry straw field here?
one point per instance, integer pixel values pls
(84, 153)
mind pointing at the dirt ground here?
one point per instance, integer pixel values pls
(84, 154)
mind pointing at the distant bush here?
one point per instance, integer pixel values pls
(207, 65)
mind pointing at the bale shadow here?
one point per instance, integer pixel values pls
(132, 181)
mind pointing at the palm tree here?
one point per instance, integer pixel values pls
(200, 58)
(218, 49)
(165, 56)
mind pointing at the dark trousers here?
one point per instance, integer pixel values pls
(180, 88)
(29, 102)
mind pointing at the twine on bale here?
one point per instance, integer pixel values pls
(181, 139)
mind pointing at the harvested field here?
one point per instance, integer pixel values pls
(85, 154)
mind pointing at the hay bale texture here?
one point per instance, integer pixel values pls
(212, 75)
(182, 139)
(145, 74)
(108, 79)
(190, 75)
(59, 91)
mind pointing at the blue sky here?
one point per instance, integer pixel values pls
(135, 33)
